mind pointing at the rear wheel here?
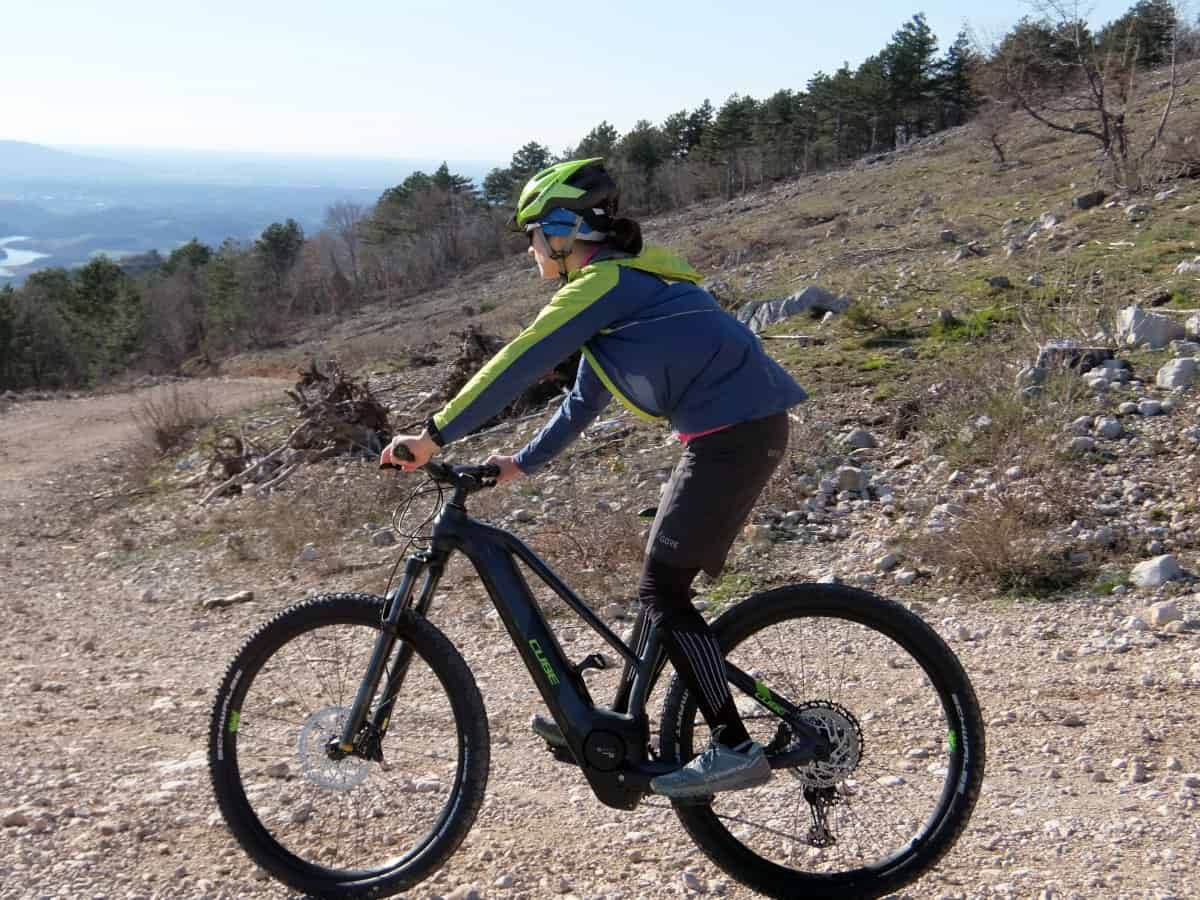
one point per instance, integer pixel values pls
(907, 746)
(350, 827)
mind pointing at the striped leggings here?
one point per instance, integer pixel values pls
(690, 646)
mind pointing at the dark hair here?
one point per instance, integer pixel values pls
(625, 235)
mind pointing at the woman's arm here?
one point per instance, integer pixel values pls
(579, 409)
(577, 312)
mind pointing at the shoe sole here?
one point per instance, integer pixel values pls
(707, 791)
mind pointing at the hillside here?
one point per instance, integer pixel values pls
(1019, 523)
(18, 159)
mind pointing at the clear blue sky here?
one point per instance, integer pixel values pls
(392, 78)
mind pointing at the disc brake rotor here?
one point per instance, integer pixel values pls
(845, 738)
(338, 775)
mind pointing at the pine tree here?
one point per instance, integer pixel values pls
(498, 187)
(528, 161)
(600, 141)
(909, 64)
(957, 98)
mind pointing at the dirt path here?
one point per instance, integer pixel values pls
(108, 666)
(33, 435)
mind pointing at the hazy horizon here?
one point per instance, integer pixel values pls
(382, 81)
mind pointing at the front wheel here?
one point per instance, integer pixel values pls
(907, 757)
(350, 826)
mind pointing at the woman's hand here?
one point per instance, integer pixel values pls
(508, 468)
(422, 447)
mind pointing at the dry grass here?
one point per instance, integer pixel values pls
(600, 557)
(1001, 541)
(947, 404)
(316, 508)
(167, 417)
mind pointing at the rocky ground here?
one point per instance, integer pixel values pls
(111, 659)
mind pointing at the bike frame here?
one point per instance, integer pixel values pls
(609, 745)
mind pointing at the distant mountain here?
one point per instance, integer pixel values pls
(20, 161)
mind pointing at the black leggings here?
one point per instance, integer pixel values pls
(690, 646)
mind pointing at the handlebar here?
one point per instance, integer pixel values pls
(469, 478)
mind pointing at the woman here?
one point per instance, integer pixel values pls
(668, 351)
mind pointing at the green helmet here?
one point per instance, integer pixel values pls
(582, 186)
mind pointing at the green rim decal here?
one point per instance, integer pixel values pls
(235, 719)
(952, 740)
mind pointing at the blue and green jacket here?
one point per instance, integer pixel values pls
(651, 336)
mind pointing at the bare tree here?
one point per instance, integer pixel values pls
(1060, 75)
(345, 220)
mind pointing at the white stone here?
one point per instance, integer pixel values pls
(1082, 425)
(1109, 428)
(887, 562)
(1160, 614)
(905, 577)
(859, 439)
(309, 553)
(1149, 408)
(851, 479)
(1176, 374)
(384, 537)
(1156, 572)
(1136, 327)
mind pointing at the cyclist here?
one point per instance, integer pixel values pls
(652, 337)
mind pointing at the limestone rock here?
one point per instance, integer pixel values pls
(852, 479)
(1177, 374)
(1160, 614)
(760, 315)
(859, 439)
(1109, 428)
(384, 537)
(1136, 327)
(1156, 572)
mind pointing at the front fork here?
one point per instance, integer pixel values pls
(385, 646)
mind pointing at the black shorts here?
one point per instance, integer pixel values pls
(711, 492)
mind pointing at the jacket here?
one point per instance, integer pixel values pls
(650, 336)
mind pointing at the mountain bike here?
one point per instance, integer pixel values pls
(349, 744)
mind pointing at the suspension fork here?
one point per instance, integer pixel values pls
(404, 655)
(398, 601)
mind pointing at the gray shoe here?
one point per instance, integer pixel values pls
(548, 731)
(719, 768)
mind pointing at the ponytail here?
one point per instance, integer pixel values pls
(625, 235)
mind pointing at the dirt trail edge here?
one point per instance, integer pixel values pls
(38, 438)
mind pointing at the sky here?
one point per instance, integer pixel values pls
(392, 79)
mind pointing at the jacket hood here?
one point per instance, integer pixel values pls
(654, 260)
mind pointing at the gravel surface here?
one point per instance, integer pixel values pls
(110, 662)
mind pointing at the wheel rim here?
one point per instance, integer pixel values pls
(896, 759)
(352, 816)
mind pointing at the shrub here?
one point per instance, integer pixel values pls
(1001, 541)
(166, 417)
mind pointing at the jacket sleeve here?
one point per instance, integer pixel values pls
(578, 311)
(579, 408)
